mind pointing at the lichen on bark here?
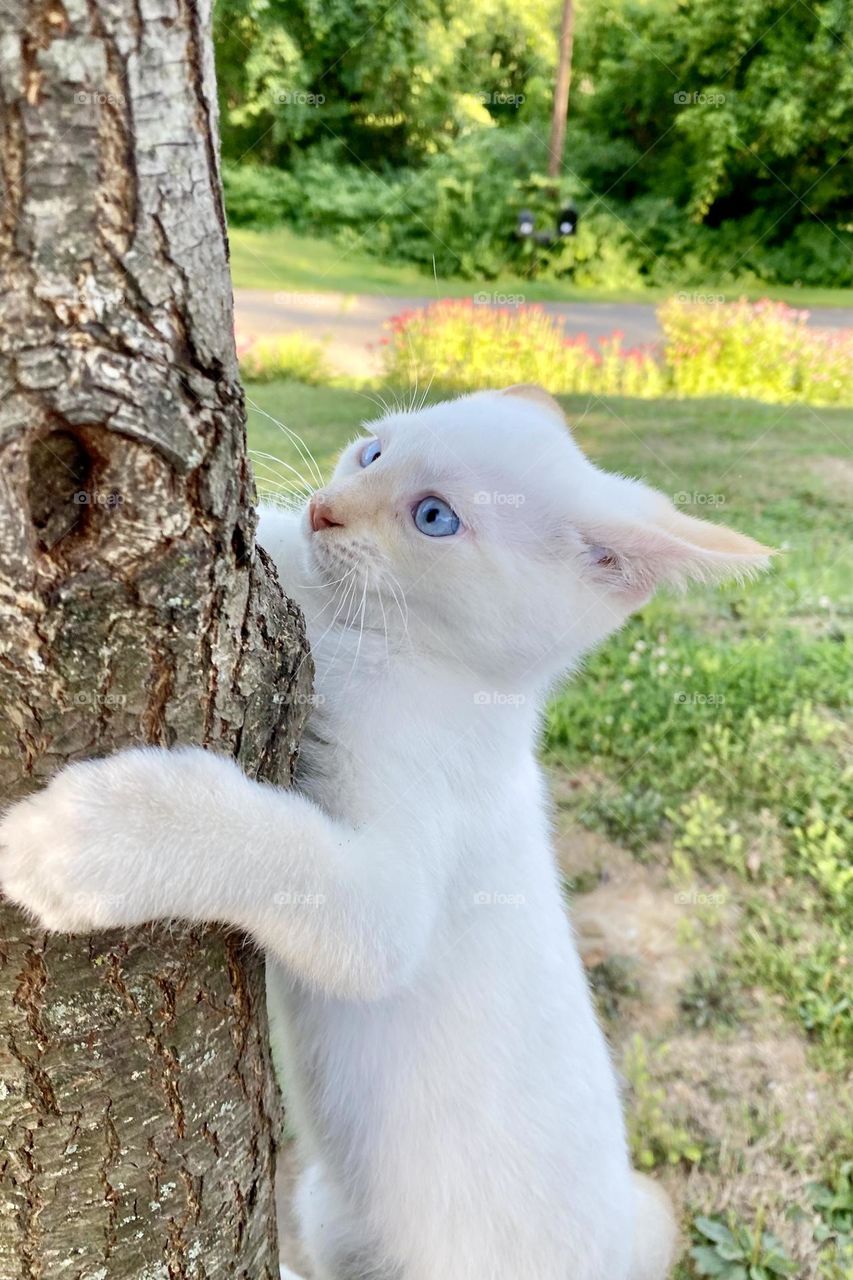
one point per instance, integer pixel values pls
(138, 1111)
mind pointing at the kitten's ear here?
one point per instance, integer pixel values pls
(635, 557)
(538, 395)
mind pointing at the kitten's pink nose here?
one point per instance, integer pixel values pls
(321, 515)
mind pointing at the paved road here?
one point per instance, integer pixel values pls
(352, 323)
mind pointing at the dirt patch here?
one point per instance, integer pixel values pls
(767, 1118)
(836, 474)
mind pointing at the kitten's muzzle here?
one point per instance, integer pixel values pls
(322, 515)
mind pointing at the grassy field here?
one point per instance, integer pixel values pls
(279, 260)
(701, 768)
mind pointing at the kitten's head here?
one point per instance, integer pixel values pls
(513, 552)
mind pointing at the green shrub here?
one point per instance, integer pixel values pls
(287, 356)
(259, 196)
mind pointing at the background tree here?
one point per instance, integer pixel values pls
(138, 1111)
(708, 140)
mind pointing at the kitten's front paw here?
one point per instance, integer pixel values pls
(67, 854)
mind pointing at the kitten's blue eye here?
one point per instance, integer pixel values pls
(371, 451)
(435, 518)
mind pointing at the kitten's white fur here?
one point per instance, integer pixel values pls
(453, 1095)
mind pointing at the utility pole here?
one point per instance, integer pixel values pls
(561, 91)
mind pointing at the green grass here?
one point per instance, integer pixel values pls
(709, 747)
(280, 260)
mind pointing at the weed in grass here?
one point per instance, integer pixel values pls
(833, 1202)
(613, 982)
(734, 1251)
(792, 949)
(655, 1139)
(704, 835)
(711, 998)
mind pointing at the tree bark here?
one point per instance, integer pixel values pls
(138, 1110)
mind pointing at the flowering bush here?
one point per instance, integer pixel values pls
(464, 347)
(763, 351)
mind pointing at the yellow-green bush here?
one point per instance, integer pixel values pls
(762, 351)
(464, 347)
(281, 357)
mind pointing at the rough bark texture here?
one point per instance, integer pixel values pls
(138, 1110)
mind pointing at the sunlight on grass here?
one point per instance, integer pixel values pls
(278, 259)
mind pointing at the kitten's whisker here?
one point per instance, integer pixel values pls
(331, 600)
(399, 587)
(282, 499)
(261, 458)
(362, 611)
(278, 483)
(378, 400)
(351, 593)
(426, 393)
(305, 453)
(384, 622)
(404, 617)
(322, 586)
(414, 394)
(345, 592)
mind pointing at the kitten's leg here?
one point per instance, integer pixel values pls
(334, 1238)
(152, 834)
(656, 1232)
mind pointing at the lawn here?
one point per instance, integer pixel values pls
(701, 768)
(278, 259)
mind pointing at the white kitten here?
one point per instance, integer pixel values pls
(456, 1106)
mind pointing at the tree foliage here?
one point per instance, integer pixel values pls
(707, 138)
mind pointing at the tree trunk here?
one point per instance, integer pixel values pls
(138, 1111)
(562, 86)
